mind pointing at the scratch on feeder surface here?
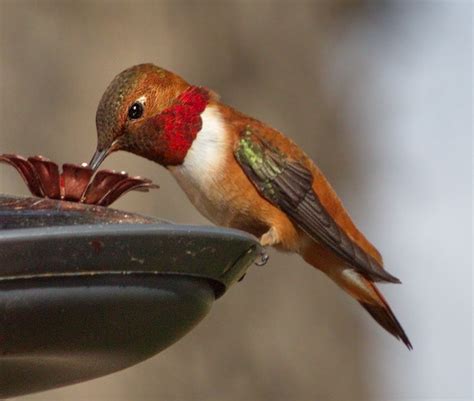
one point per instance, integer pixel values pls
(139, 260)
(210, 249)
(38, 202)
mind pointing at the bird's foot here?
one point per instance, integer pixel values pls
(263, 258)
(270, 238)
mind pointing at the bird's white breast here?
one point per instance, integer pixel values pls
(204, 165)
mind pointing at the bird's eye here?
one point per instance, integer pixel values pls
(135, 111)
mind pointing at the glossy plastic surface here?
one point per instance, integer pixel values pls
(86, 291)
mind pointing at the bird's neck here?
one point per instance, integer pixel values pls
(179, 125)
(206, 159)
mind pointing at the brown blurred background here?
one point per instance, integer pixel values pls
(378, 93)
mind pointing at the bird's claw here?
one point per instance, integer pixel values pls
(263, 259)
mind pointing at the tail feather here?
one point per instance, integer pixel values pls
(384, 315)
(373, 302)
(363, 289)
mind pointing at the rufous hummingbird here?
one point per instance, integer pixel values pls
(241, 173)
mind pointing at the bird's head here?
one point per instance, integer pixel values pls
(150, 112)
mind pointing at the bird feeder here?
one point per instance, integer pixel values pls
(87, 290)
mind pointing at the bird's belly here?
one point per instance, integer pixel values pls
(211, 208)
(222, 206)
(207, 199)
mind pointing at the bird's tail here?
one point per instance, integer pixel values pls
(368, 295)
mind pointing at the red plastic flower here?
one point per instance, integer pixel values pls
(75, 183)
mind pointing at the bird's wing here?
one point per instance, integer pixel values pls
(289, 185)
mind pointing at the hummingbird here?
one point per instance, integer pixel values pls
(241, 173)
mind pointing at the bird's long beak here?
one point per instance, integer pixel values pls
(98, 158)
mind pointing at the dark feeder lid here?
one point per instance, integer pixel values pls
(87, 290)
